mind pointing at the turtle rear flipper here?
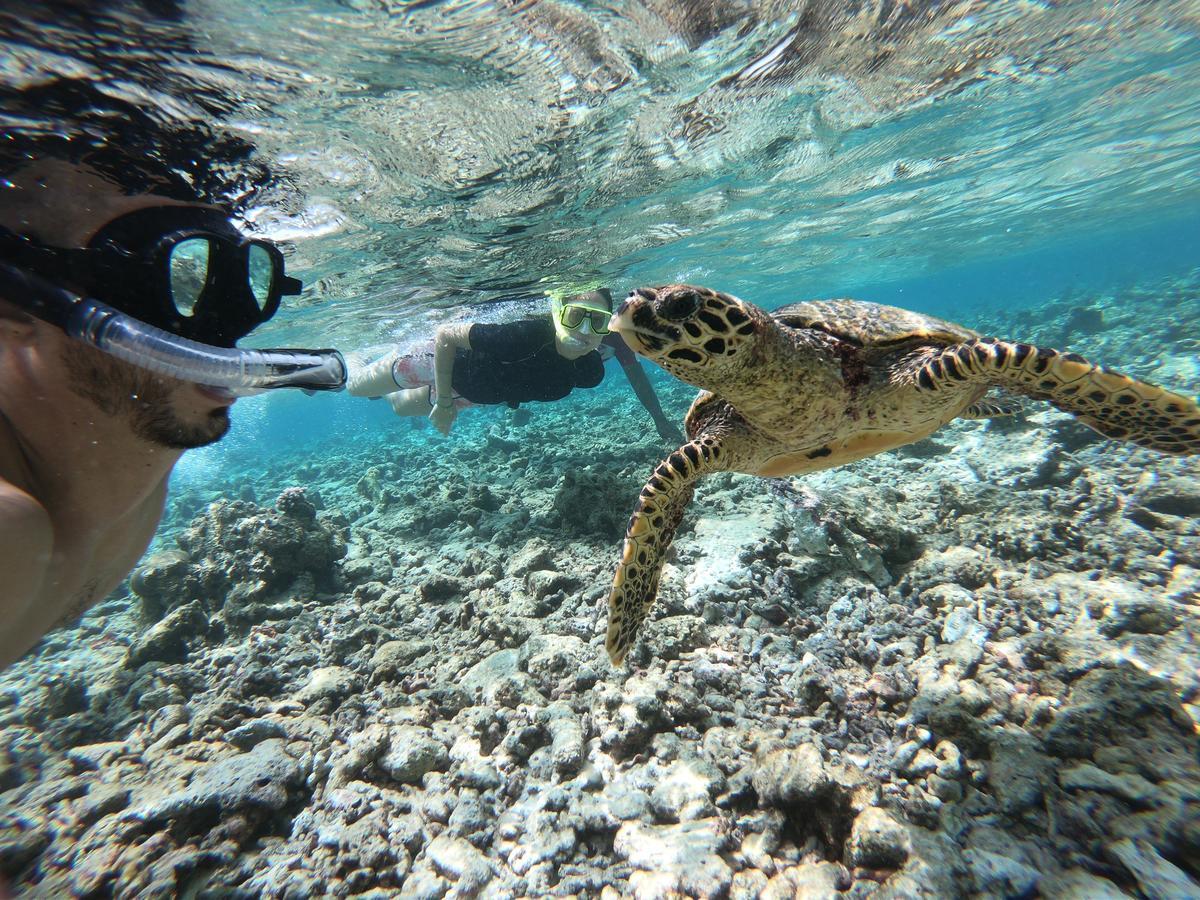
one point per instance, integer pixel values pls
(650, 531)
(1113, 404)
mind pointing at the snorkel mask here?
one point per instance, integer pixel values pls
(579, 315)
(180, 285)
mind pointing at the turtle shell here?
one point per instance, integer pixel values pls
(870, 325)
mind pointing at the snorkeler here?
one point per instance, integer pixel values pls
(540, 359)
(120, 305)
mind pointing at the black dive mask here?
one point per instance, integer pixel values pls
(184, 269)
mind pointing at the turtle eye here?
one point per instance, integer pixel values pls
(679, 305)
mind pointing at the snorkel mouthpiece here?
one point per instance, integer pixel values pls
(237, 371)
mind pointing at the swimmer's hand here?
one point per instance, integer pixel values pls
(669, 433)
(443, 416)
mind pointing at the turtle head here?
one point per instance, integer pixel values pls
(699, 335)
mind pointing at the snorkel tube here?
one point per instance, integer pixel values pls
(135, 342)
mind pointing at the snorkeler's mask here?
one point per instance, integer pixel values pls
(581, 315)
(184, 269)
(175, 288)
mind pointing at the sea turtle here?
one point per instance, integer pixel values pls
(814, 385)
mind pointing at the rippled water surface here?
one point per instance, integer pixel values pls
(438, 154)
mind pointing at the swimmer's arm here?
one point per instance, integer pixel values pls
(643, 389)
(26, 546)
(449, 339)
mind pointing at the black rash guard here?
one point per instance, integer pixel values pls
(517, 362)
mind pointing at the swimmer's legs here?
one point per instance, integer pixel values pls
(374, 380)
(412, 402)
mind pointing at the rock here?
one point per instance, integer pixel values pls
(672, 859)
(1078, 884)
(440, 588)
(640, 714)
(155, 582)
(485, 673)
(469, 817)
(169, 639)
(1000, 876)
(423, 883)
(672, 636)
(255, 732)
(542, 584)
(878, 841)
(1130, 787)
(819, 881)
(1138, 614)
(328, 683)
(1157, 879)
(685, 791)
(749, 884)
(101, 800)
(625, 801)
(1112, 706)
(961, 624)
(551, 658)
(294, 502)
(412, 751)
(535, 556)
(1019, 770)
(394, 658)
(790, 776)
(1173, 496)
(95, 756)
(20, 844)
(566, 737)
(455, 859)
(255, 781)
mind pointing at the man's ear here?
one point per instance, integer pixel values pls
(15, 323)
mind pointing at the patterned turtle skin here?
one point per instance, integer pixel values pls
(818, 384)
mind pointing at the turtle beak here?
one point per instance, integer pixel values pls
(634, 321)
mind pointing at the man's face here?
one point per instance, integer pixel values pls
(65, 206)
(160, 410)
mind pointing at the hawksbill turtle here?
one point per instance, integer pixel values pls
(822, 383)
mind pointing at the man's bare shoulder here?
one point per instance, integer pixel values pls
(26, 535)
(23, 519)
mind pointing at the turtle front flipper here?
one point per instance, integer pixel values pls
(1113, 404)
(651, 528)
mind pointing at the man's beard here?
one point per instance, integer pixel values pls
(121, 389)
